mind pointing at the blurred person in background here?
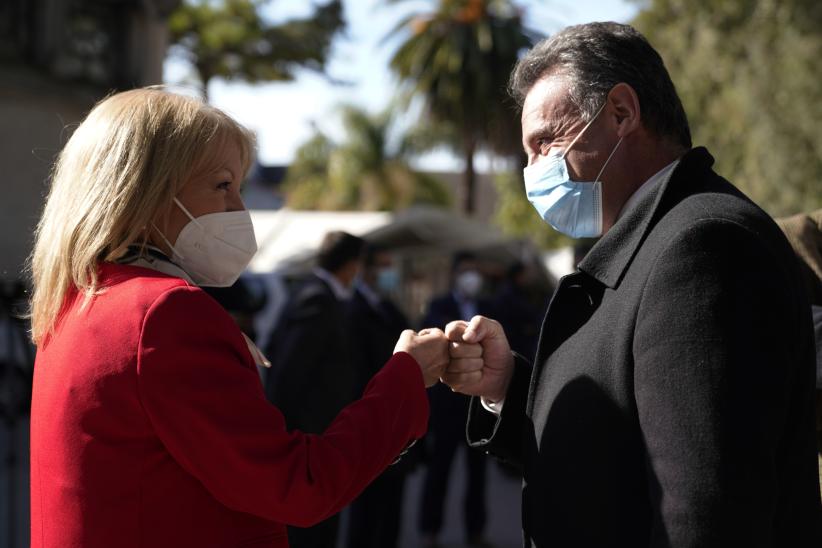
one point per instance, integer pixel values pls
(312, 374)
(671, 401)
(448, 413)
(243, 301)
(375, 323)
(804, 232)
(149, 424)
(514, 307)
(16, 369)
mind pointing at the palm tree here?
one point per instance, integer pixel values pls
(366, 172)
(230, 39)
(457, 59)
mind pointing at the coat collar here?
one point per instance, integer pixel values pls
(611, 255)
(153, 258)
(341, 293)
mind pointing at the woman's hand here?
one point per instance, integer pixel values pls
(430, 348)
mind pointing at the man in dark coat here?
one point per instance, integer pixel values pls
(671, 399)
(375, 323)
(448, 413)
(312, 377)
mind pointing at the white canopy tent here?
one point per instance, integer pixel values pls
(288, 238)
(429, 227)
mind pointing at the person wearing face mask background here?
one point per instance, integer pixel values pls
(448, 414)
(149, 424)
(374, 323)
(310, 383)
(313, 373)
(670, 402)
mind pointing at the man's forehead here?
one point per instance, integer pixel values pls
(548, 100)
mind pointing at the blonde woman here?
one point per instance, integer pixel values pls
(149, 425)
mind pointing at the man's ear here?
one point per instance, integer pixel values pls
(624, 107)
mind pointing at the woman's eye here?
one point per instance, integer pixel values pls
(225, 185)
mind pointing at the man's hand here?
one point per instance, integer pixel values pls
(430, 348)
(481, 360)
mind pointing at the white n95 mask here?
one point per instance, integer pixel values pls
(469, 283)
(215, 248)
(571, 207)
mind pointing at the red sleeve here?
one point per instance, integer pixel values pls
(205, 400)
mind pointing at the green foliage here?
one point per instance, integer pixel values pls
(230, 39)
(363, 173)
(457, 59)
(748, 73)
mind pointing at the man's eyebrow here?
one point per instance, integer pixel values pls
(547, 129)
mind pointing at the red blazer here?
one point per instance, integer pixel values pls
(149, 427)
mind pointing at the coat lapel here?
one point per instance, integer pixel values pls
(612, 254)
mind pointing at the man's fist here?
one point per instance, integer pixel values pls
(481, 361)
(430, 348)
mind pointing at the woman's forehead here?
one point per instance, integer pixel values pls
(224, 152)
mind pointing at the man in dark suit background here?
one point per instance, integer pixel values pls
(375, 323)
(448, 412)
(515, 308)
(671, 401)
(312, 376)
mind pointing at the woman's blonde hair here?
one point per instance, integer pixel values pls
(117, 174)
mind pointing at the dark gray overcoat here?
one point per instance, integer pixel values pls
(671, 401)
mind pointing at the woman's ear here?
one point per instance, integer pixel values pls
(624, 107)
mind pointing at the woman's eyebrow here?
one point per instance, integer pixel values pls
(227, 169)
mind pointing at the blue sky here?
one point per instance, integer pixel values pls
(283, 114)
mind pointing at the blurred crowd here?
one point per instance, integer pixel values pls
(330, 330)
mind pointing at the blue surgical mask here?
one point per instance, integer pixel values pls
(388, 280)
(571, 207)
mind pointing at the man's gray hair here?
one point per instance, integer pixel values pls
(598, 56)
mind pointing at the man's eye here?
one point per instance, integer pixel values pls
(544, 147)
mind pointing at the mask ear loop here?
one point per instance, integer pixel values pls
(163, 236)
(597, 182)
(609, 159)
(583, 130)
(169, 244)
(189, 215)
